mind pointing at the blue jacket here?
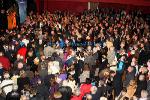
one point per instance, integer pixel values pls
(120, 66)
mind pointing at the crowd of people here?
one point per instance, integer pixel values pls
(103, 54)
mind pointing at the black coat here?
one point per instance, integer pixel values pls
(148, 87)
(117, 83)
(42, 92)
(21, 82)
(141, 85)
(143, 57)
(101, 91)
(13, 96)
(129, 76)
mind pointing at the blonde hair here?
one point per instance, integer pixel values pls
(57, 95)
(132, 82)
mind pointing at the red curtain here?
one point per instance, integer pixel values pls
(61, 5)
(38, 5)
(80, 5)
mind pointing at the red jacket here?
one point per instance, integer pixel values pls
(77, 97)
(22, 52)
(5, 62)
(85, 88)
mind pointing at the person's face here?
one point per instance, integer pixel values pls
(142, 45)
(127, 37)
(1, 64)
(39, 82)
(22, 29)
(135, 38)
(19, 36)
(122, 45)
(52, 32)
(20, 65)
(113, 74)
(133, 59)
(70, 77)
(1, 54)
(130, 69)
(135, 47)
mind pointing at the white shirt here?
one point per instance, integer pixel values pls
(70, 83)
(7, 85)
(53, 67)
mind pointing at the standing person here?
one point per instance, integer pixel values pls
(53, 86)
(7, 84)
(22, 52)
(85, 74)
(43, 67)
(85, 88)
(141, 85)
(22, 81)
(117, 83)
(101, 90)
(121, 65)
(4, 61)
(143, 58)
(42, 91)
(111, 55)
(70, 82)
(129, 76)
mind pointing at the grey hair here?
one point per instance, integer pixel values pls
(77, 92)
